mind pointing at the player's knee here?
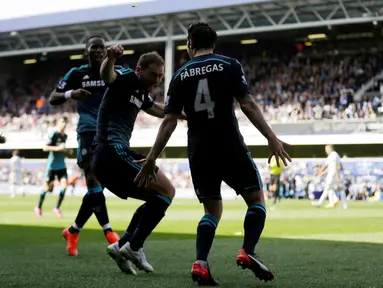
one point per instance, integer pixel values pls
(213, 207)
(254, 196)
(64, 184)
(91, 180)
(49, 187)
(169, 191)
(163, 186)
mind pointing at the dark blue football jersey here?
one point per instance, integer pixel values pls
(119, 108)
(206, 88)
(56, 160)
(89, 79)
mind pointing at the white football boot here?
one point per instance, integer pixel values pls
(137, 257)
(125, 265)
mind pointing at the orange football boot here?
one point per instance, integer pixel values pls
(71, 242)
(112, 237)
(202, 275)
(247, 261)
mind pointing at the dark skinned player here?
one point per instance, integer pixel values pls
(84, 85)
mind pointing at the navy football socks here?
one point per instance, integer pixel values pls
(60, 198)
(84, 213)
(41, 200)
(99, 207)
(254, 223)
(93, 202)
(132, 226)
(152, 215)
(205, 236)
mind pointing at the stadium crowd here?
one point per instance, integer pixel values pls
(288, 88)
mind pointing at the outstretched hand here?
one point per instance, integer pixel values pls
(147, 172)
(80, 94)
(277, 148)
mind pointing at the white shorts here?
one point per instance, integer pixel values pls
(15, 178)
(331, 183)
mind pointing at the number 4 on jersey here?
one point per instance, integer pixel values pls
(202, 100)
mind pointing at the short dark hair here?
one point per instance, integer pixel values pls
(202, 35)
(150, 58)
(65, 119)
(92, 37)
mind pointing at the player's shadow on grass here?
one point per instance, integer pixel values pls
(29, 254)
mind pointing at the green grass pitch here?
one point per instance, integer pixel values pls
(306, 247)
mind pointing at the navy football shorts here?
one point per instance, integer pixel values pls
(50, 175)
(85, 141)
(237, 169)
(115, 169)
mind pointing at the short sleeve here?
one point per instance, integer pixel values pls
(124, 79)
(174, 101)
(68, 82)
(148, 102)
(51, 141)
(240, 85)
(118, 68)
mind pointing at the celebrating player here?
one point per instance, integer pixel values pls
(205, 88)
(84, 85)
(56, 166)
(15, 174)
(113, 160)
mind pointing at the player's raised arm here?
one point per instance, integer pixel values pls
(107, 71)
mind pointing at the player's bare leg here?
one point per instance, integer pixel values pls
(333, 200)
(158, 197)
(275, 193)
(253, 226)
(200, 271)
(323, 197)
(63, 185)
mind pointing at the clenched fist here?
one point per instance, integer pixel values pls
(115, 51)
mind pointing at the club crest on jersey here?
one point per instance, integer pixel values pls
(134, 100)
(93, 83)
(61, 84)
(198, 71)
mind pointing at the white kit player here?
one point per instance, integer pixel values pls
(333, 179)
(15, 174)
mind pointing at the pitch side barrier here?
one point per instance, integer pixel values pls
(354, 169)
(258, 151)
